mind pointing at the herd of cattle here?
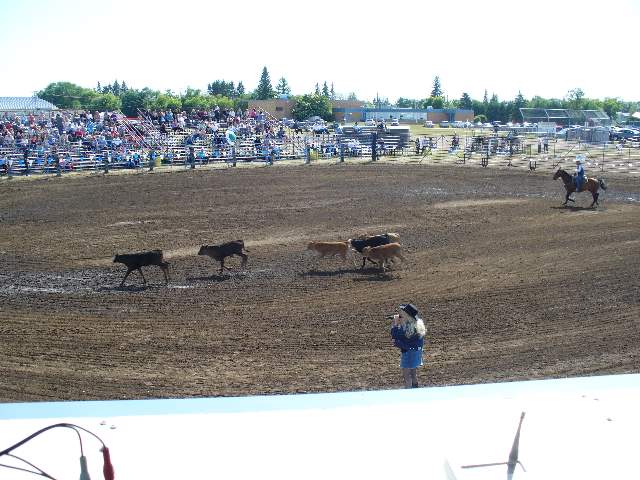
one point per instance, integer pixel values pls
(377, 249)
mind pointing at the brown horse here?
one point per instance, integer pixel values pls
(591, 185)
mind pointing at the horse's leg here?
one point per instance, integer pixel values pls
(566, 198)
(244, 259)
(143, 279)
(126, 275)
(595, 198)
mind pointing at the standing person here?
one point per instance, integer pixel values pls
(192, 157)
(545, 144)
(408, 333)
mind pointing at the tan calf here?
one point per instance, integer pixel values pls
(381, 254)
(329, 248)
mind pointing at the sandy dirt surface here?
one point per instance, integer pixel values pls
(511, 285)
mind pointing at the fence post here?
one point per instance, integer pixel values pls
(233, 156)
(374, 146)
(105, 162)
(341, 152)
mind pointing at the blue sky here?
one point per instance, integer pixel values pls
(395, 48)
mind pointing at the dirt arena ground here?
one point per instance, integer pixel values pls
(511, 286)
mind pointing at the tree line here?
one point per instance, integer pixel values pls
(227, 94)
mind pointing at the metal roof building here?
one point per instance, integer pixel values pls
(25, 104)
(565, 117)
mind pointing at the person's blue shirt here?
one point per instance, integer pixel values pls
(401, 341)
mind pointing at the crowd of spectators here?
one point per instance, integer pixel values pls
(52, 139)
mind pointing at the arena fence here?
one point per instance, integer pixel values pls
(191, 148)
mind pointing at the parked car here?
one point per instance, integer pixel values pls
(624, 133)
(562, 133)
(370, 123)
(428, 124)
(444, 124)
(395, 122)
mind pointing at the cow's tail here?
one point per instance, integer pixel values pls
(603, 184)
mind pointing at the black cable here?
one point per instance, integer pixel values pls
(42, 472)
(26, 470)
(42, 430)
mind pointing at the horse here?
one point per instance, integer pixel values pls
(591, 184)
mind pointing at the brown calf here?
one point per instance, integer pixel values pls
(220, 252)
(381, 254)
(329, 248)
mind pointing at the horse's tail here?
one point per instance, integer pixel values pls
(602, 183)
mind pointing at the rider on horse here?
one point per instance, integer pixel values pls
(579, 175)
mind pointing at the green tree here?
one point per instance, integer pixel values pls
(223, 102)
(479, 108)
(352, 97)
(325, 89)
(283, 87)
(166, 101)
(240, 88)
(466, 102)
(493, 109)
(433, 102)
(436, 91)
(67, 95)
(98, 88)
(134, 100)
(265, 90)
(317, 89)
(611, 106)
(220, 87)
(406, 102)
(104, 102)
(518, 103)
(332, 93)
(193, 99)
(309, 105)
(574, 98)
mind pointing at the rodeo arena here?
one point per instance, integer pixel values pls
(211, 293)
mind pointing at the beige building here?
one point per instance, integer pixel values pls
(281, 107)
(351, 111)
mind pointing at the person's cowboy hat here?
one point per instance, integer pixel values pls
(409, 309)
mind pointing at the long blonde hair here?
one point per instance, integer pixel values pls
(412, 326)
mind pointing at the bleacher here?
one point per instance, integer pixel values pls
(143, 138)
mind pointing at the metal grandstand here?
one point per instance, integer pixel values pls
(565, 117)
(25, 104)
